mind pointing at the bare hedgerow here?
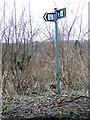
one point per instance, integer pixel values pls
(18, 51)
(28, 66)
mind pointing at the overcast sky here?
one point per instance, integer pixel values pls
(39, 7)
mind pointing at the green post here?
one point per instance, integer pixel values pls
(57, 55)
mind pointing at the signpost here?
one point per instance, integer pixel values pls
(53, 17)
(49, 17)
(61, 13)
(58, 14)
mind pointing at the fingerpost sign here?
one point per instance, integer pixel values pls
(53, 17)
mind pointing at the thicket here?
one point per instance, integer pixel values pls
(29, 66)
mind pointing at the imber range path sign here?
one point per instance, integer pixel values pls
(49, 17)
(58, 14)
(53, 17)
(61, 13)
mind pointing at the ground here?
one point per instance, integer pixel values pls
(46, 105)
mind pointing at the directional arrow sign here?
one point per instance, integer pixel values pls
(49, 17)
(61, 13)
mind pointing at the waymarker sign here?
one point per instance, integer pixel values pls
(49, 17)
(61, 13)
(58, 14)
(53, 17)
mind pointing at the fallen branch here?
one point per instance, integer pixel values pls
(64, 101)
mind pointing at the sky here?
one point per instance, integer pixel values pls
(39, 7)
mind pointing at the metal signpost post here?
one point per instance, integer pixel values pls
(57, 54)
(53, 17)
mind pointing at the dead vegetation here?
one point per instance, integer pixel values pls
(28, 64)
(25, 71)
